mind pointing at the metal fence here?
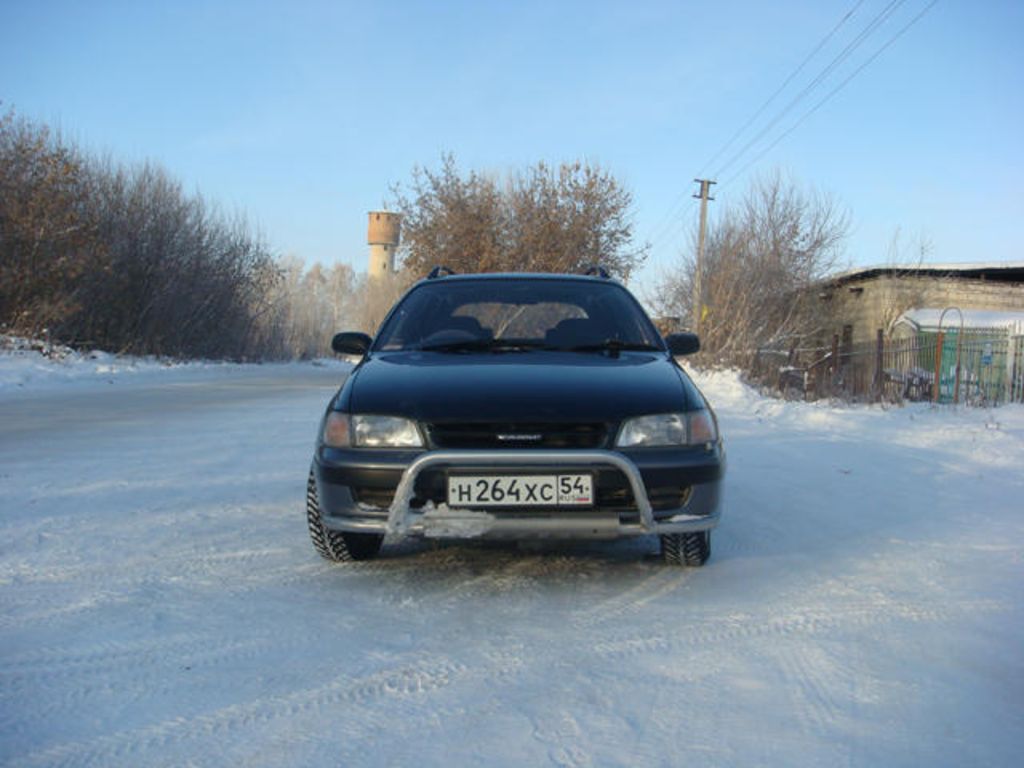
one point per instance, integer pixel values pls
(977, 367)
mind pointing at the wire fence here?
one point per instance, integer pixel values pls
(976, 367)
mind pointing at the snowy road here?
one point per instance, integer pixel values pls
(160, 603)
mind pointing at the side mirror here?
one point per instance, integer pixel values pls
(680, 344)
(351, 343)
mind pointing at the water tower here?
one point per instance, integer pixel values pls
(383, 235)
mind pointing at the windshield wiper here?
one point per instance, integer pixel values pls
(482, 345)
(614, 346)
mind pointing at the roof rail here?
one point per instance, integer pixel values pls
(440, 271)
(595, 270)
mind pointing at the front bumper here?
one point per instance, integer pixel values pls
(700, 507)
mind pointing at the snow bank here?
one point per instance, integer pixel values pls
(35, 366)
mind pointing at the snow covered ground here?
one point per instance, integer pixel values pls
(35, 367)
(160, 603)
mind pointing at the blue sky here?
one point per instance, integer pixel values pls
(303, 114)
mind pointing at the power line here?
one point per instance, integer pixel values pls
(857, 41)
(832, 93)
(677, 227)
(781, 88)
(670, 226)
(665, 226)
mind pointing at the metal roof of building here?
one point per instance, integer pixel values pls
(997, 271)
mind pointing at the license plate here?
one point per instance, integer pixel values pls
(575, 490)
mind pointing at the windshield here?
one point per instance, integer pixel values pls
(518, 314)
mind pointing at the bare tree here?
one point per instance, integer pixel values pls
(901, 294)
(120, 258)
(542, 219)
(761, 260)
(305, 307)
(45, 231)
(377, 296)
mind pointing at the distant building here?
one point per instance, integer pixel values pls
(860, 302)
(894, 333)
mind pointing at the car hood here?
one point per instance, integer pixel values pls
(532, 386)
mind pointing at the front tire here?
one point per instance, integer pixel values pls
(690, 549)
(339, 546)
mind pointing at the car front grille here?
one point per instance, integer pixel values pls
(518, 436)
(661, 499)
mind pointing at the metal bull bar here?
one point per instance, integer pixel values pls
(402, 519)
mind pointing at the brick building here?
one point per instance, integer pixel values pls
(859, 302)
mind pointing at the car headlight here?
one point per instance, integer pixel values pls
(663, 429)
(385, 432)
(344, 431)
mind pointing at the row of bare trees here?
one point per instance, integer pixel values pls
(762, 260)
(96, 254)
(120, 258)
(308, 305)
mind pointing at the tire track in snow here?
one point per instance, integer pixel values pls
(230, 573)
(817, 710)
(411, 680)
(73, 674)
(662, 582)
(58, 685)
(176, 566)
(99, 658)
(195, 574)
(806, 622)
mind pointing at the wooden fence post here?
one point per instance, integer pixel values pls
(879, 374)
(835, 364)
(1011, 362)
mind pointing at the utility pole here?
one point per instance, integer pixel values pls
(698, 304)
